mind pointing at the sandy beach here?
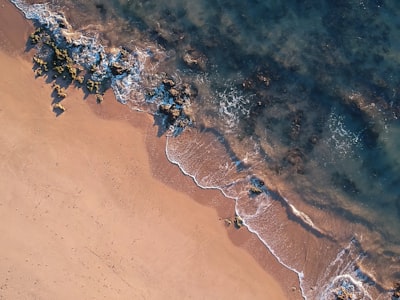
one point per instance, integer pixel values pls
(90, 208)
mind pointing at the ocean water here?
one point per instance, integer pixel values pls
(299, 99)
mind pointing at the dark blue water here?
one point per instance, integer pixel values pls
(299, 99)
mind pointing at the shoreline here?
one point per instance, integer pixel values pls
(107, 165)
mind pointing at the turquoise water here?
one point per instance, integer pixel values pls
(300, 99)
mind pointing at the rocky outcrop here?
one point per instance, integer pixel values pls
(176, 103)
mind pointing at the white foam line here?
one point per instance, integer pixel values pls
(300, 275)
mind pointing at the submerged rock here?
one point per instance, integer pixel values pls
(195, 59)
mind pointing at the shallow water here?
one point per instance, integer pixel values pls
(298, 99)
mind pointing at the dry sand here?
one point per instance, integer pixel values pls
(84, 214)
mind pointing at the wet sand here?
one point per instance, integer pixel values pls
(88, 209)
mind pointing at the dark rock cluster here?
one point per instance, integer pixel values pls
(176, 104)
(55, 59)
(257, 186)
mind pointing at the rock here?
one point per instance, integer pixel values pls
(168, 83)
(396, 291)
(61, 54)
(182, 123)
(174, 113)
(93, 86)
(99, 98)
(344, 294)
(195, 59)
(118, 69)
(228, 222)
(59, 106)
(73, 72)
(248, 84)
(255, 190)
(60, 91)
(165, 108)
(80, 79)
(93, 68)
(313, 139)
(264, 79)
(179, 101)
(39, 72)
(189, 90)
(36, 36)
(59, 69)
(173, 92)
(40, 62)
(238, 221)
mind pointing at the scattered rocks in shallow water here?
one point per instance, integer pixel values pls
(176, 103)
